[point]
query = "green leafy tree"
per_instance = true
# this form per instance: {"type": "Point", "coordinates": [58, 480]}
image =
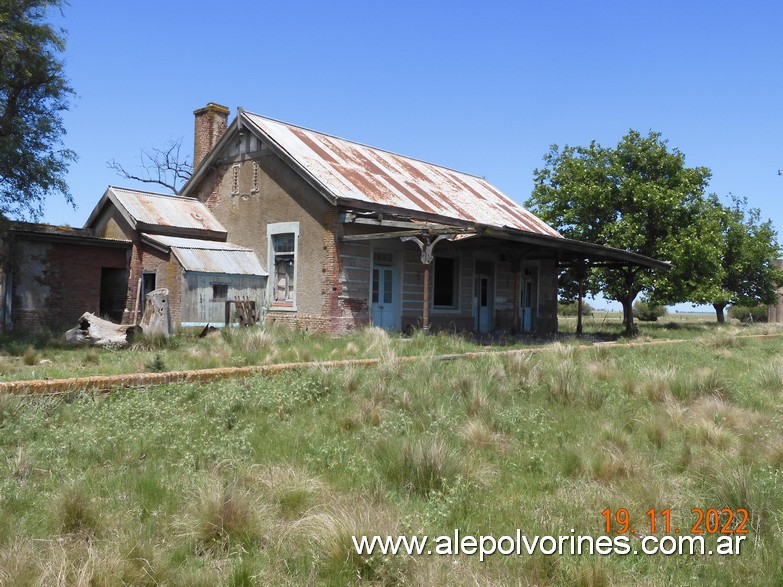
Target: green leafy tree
{"type": "Point", "coordinates": [638, 196]}
{"type": "Point", "coordinates": [33, 94]}
{"type": "Point", "coordinates": [747, 274]}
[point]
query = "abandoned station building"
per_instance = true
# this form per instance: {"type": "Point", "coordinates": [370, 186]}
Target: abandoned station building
{"type": "Point", "coordinates": [322, 233]}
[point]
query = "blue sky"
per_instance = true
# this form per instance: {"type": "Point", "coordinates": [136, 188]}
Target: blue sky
{"type": "Point", "coordinates": [485, 87]}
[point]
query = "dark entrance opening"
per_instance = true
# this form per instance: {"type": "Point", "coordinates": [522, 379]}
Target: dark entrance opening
{"type": "Point", "coordinates": [147, 285]}
{"type": "Point", "coordinates": [114, 291]}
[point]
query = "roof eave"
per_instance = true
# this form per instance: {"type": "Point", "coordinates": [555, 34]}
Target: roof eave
{"type": "Point", "coordinates": [182, 231]}
{"type": "Point", "coordinates": [589, 250]}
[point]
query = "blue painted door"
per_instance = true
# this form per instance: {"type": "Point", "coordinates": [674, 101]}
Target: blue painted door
{"type": "Point", "coordinates": [384, 306]}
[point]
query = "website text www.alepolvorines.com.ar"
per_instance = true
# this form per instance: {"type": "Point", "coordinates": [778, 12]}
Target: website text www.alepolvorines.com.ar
{"type": "Point", "coordinates": [521, 544]}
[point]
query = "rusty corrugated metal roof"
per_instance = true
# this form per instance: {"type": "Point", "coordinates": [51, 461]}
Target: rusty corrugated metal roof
{"type": "Point", "coordinates": [165, 210]}
{"type": "Point", "coordinates": [206, 256]}
{"type": "Point", "coordinates": [352, 171]}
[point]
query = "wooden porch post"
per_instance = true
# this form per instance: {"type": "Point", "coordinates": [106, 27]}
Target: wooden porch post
{"type": "Point", "coordinates": [425, 321]}
{"type": "Point", "coordinates": [426, 247]}
{"type": "Point", "coordinates": [581, 275]}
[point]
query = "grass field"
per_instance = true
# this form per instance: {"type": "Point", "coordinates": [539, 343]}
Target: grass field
{"type": "Point", "coordinates": [263, 481]}
{"type": "Point", "coordinates": [44, 356]}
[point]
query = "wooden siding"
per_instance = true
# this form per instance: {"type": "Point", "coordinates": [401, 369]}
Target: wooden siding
{"type": "Point", "coordinates": [198, 305]}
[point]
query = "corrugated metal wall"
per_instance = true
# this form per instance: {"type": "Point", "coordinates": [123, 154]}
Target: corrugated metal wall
{"type": "Point", "coordinates": [199, 306]}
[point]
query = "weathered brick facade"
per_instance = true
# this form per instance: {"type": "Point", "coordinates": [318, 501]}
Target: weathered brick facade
{"type": "Point", "coordinates": [55, 279]}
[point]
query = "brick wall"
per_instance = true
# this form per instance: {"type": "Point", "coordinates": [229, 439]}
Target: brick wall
{"type": "Point", "coordinates": [54, 283]}
{"type": "Point", "coordinates": [210, 124]}
{"type": "Point", "coordinates": [168, 274]}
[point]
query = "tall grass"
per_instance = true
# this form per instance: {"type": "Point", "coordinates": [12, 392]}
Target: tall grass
{"type": "Point", "coordinates": [265, 480]}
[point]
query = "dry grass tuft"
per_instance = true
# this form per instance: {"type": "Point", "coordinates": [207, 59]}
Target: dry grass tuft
{"type": "Point", "coordinates": [326, 535]}
{"type": "Point", "coordinates": [724, 338]}
{"type": "Point", "coordinates": [723, 413]}
{"type": "Point", "coordinates": [592, 574]}
{"type": "Point", "coordinates": [6, 365]}
{"type": "Point", "coordinates": [30, 356]}
{"type": "Point", "coordinates": [702, 381]}
{"type": "Point", "coordinates": [9, 406]}
{"type": "Point", "coordinates": [655, 384]}
{"type": "Point", "coordinates": [770, 377]}
{"type": "Point", "coordinates": [75, 513]}
{"type": "Point", "coordinates": [774, 451]}
{"type": "Point", "coordinates": [658, 430]}
{"type": "Point", "coordinates": [705, 432]}
{"type": "Point", "coordinates": [520, 369]}
{"type": "Point", "coordinates": [423, 465]}
{"type": "Point", "coordinates": [612, 465]}
{"type": "Point", "coordinates": [292, 490]}
{"type": "Point", "coordinates": [603, 371]}
{"type": "Point", "coordinates": [477, 434]}
{"type": "Point", "coordinates": [221, 515]}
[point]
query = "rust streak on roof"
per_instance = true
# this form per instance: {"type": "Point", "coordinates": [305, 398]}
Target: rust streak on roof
{"type": "Point", "coordinates": [310, 142]}
{"type": "Point", "coordinates": [355, 172]}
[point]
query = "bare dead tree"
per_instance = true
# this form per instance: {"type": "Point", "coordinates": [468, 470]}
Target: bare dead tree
{"type": "Point", "coordinates": [166, 167]}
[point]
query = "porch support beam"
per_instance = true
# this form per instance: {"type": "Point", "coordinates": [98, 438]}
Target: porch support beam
{"type": "Point", "coordinates": [426, 245]}
{"type": "Point", "coordinates": [449, 232]}
{"type": "Point", "coordinates": [353, 218]}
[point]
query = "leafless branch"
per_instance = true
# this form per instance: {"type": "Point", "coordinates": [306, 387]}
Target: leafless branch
{"type": "Point", "coordinates": [165, 167]}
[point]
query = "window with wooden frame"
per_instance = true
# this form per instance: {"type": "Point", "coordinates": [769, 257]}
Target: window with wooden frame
{"type": "Point", "coordinates": [445, 282]}
{"type": "Point", "coordinates": [284, 255]}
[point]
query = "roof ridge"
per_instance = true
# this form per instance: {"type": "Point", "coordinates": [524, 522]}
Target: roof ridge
{"type": "Point", "coordinates": [149, 193]}
{"type": "Point", "coordinates": [390, 152]}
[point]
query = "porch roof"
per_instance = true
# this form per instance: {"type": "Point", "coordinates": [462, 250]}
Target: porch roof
{"type": "Point", "coordinates": [564, 249]}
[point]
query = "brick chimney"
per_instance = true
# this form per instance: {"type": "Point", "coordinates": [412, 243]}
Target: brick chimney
{"type": "Point", "coordinates": [211, 122]}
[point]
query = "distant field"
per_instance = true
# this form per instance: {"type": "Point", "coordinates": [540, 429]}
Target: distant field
{"type": "Point", "coordinates": [263, 481]}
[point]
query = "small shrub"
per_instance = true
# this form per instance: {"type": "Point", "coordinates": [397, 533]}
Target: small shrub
{"type": "Point", "coordinates": [647, 312]}
{"type": "Point", "coordinates": [157, 365]}
{"type": "Point", "coordinates": [748, 313]}
{"type": "Point", "coordinates": [30, 356]}
{"type": "Point", "coordinates": [569, 309]}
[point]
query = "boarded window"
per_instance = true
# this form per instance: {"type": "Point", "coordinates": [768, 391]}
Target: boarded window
{"type": "Point", "coordinates": [444, 290]}
{"type": "Point", "coordinates": [219, 292]}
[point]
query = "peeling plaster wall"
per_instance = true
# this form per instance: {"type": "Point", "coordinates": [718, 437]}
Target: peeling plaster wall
{"type": "Point", "coordinates": [248, 192]}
